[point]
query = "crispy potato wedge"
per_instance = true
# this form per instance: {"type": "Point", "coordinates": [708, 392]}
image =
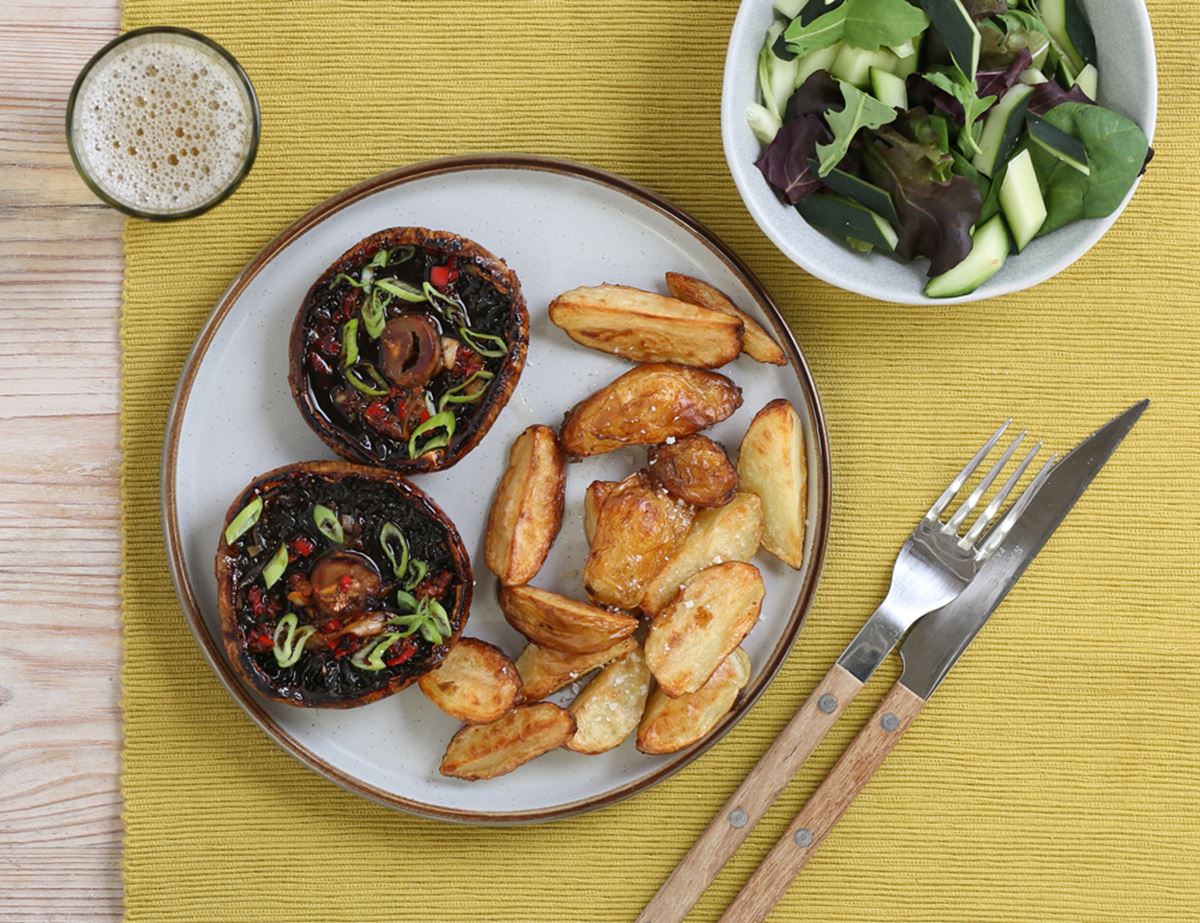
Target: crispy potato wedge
{"type": "Point", "coordinates": [527, 510]}
{"type": "Point", "coordinates": [563, 624]}
{"type": "Point", "coordinates": [757, 343]}
{"type": "Point", "coordinates": [543, 671]}
{"type": "Point", "coordinates": [730, 533]}
{"type": "Point", "coordinates": [645, 327]}
{"type": "Point", "coordinates": [703, 625]}
{"type": "Point", "coordinates": [593, 498]}
{"type": "Point", "coordinates": [637, 529]}
{"type": "Point", "coordinates": [476, 683]}
{"type": "Point", "coordinates": [671, 724]}
{"type": "Point", "coordinates": [645, 406]}
{"type": "Point", "coordinates": [610, 707]}
{"type": "Point", "coordinates": [773, 463]}
{"type": "Point", "coordinates": [484, 751]}
{"type": "Point", "coordinates": [694, 469]}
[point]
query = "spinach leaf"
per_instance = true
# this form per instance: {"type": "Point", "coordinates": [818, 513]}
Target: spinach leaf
{"type": "Point", "coordinates": [861, 111]}
{"type": "Point", "coordinates": [871, 24]}
{"type": "Point", "coordinates": [1116, 150]}
{"type": "Point", "coordinates": [937, 209]}
{"type": "Point", "coordinates": [963, 89]}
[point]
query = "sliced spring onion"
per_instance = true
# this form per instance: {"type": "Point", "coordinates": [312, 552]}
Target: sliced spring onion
{"type": "Point", "coordinates": [443, 421]}
{"type": "Point", "coordinates": [437, 627]}
{"type": "Point", "coordinates": [406, 600]}
{"type": "Point", "coordinates": [459, 393]}
{"type": "Point", "coordinates": [401, 290]}
{"type": "Point", "coordinates": [287, 653]}
{"type": "Point", "coordinates": [474, 339]}
{"type": "Point", "coordinates": [350, 342]}
{"type": "Point", "coordinates": [354, 376]}
{"type": "Point", "coordinates": [403, 254]}
{"type": "Point", "coordinates": [391, 533]}
{"type": "Point", "coordinates": [455, 312]}
{"type": "Point", "coordinates": [275, 567]}
{"type": "Point", "coordinates": [379, 260]}
{"type": "Point", "coordinates": [418, 569]}
{"type": "Point", "coordinates": [370, 657]}
{"type": "Point", "coordinates": [244, 521]}
{"type": "Point", "coordinates": [342, 277]}
{"type": "Point", "coordinates": [374, 313]}
{"type": "Point", "coordinates": [327, 524]}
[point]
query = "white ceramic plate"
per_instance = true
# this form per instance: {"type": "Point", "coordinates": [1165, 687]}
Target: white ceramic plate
{"type": "Point", "coordinates": [558, 226]}
{"type": "Point", "coordinates": [1128, 85]}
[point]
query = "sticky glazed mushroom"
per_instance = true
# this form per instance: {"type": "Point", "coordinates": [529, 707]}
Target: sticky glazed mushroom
{"type": "Point", "coordinates": [407, 348]}
{"type": "Point", "coordinates": [338, 584]}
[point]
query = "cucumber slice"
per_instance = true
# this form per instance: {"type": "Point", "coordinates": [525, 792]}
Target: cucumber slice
{"type": "Point", "coordinates": [1004, 123]}
{"type": "Point", "coordinates": [907, 63]}
{"type": "Point", "coordinates": [1089, 81]}
{"type": "Point", "coordinates": [988, 253]}
{"type": "Point", "coordinates": [889, 89]}
{"type": "Point", "coordinates": [866, 194]}
{"type": "Point", "coordinates": [844, 218]}
{"type": "Point", "coordinates": [1021, 200]}
{"type": "Point", "coordinates": [958, 30]}
{"type": "Point", "coordinates": [1070, 29]}
{"type": "Point", "coordinates": [763, 123]}
{"type": "Point", "coordinates": [854, 64]}
{"type": "Point", "coordinates": [781, 49]}
{"type": "Point", "coordinates": [790, 8]}
{"type": "Point", "coordinates": [776, 77]}
{"type": "Point", "coordinates": [814, 9]}
{"type": "Point", "coordinates": [1067, 148]}
{"type": "Point", "coordinates": [1033, 77]}
{"type": "Point", "coordinates": [820, 60]}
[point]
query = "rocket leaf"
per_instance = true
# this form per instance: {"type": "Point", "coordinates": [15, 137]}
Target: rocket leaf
{"type": "Point", "coordinates": [861, 111]}
{"type": "Point", "coordinates": [872, 24]}
{"type": "Point", "coordinates": [964, 90]}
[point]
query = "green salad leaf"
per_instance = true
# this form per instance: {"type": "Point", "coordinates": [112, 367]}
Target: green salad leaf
{"type": "Point", "coordinates": [861, 111]}
{"type": "Point", "coordinates": [872, 24]}
{"type": "Point", "coordinates": [1116, 150]}
{"type": "Point", "coordinates": [822, 32]}
{"type": "Point", "coordinates": [966, 92]}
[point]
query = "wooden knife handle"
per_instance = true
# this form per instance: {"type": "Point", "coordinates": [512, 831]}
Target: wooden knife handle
{"type": "Point", "coordinates": [766, 780]}
{"type": "Point", "coordinates": [825, 808]}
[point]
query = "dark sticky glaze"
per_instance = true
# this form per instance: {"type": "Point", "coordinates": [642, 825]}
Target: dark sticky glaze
{"type": "Point", "coordinates": [346, 591]}
{"type": "Point", "coordinates": [376, 428]}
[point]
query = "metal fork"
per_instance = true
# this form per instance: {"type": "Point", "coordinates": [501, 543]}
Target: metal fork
{"type": "Point", "coordinates": [934, 566]}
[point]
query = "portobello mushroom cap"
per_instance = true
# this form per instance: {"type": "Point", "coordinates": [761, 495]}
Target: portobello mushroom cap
{"type": "Point", "coordinates": [368, 366]}
{"type": "Point", "coordinates": [368, 557]}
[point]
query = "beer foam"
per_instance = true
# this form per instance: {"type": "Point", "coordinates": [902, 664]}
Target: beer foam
{"type": "Point", "coordinates": [163, 123]}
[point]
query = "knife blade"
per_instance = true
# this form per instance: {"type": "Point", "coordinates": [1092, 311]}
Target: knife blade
{"type": "Point", "coordinates": [936, 642]}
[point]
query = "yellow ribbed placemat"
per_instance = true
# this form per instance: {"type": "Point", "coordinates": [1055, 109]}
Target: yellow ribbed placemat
{"type": "Point", "coordinates": [1056, 775]}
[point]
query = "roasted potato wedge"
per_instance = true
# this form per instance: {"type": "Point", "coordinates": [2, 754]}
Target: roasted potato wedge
{"type": "Point", "coordinates": [671, 724]}
{"type": "Point", "coordinates": [527, 510]}
{"type": "Point", "coordinates": [730, 533]}
{"type": "Point", "coordinates": [476, 683]}
{"type": "Point", "coordinates": [543, 671]}
{"type": "Point", "coordinates": [637, 529]}
{"type": "Point", "coordinates": [563, 624]}
{"type": "Point", "coordinates": [645, 327]}
{"type": "Point", "coordinates": [484, 751]}
{"type": "Point", "coordinates": [703, 625]}
{"type": "Point", "coordinates": [647, 405]}
{"type": "Point", "coordinates": [610, 707]}
{"type": "Point", "coordinates": [757, 343]}
{"type": "Point", "coordinates": [593, 498]}
{"type": "Point", "coordinates": [773, 463]}
{"type": "Point", "coordinates": [694, 469]}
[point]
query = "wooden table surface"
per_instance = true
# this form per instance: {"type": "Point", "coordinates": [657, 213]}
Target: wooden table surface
{"type": "Point", "coordinates": [60, 283]}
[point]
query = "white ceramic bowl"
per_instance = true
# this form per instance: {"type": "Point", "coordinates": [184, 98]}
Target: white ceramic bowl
{"type": "Point", "coordinates": [1128, 85]}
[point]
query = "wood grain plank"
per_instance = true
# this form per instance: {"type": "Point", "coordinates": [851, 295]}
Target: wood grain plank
{"type": "Point", "coordinates": [60, 289]}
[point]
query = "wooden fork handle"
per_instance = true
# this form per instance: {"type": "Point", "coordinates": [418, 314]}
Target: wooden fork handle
{"type": "Point", "coordinates": [764, 783]}
{"type": "Point", "coordinates": [825, 808]}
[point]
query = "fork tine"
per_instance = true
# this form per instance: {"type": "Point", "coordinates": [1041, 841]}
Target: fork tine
{"type": "Point", "coordinates": [1006, 524]}
{"type": "Point", "coordinates": [990, 511]}
{"type": "Point", "coordinates": [956, 485]}
{"type": "Point", "coordinates": [977, 494]}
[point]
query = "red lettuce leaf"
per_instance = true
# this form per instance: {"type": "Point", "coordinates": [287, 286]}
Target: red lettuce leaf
{"type": "Point", "coordinates": [786, 161]}
{"type": "Point", "coordinates": [1049, 94]}
{"type": "Point", "coordinates": [819, 94]}
{"type": "Point", "coordinates": [982, 9]}
{"type": "Point", "coordinates": [937, 209]}
{"type": "Point", "coordinates": [996, 82]}
{"type": "Point", "coordinates": [923, 94]}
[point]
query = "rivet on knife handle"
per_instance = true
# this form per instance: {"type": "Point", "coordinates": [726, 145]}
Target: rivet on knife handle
{"type": "Point", "coordinates": [754, 796]}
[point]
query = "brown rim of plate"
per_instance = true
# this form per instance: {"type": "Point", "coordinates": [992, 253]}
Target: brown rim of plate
{"type": "Point", "coordinates": [212, 648]}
